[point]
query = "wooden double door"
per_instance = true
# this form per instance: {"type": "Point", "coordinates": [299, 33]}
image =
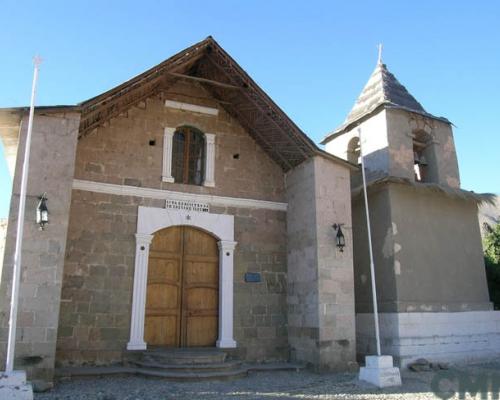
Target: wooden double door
{"type": "Point", "coordinates": [182, 301]}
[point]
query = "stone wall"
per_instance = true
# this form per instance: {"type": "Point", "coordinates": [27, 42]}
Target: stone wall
{"type": "Point", "coordinates": [3, 236]}
{"type": "Point", "coordinates": [451, 337]}
{"type": "Point", "coordinates": [336, 274]}
{"type": "Point", "coordinates": [438, 251]}
{"type": "Point", "coordinates": [120, 153]}
{"type": "Point", "coordinates": [303, 296]}
{"type": "Point", "coordinates": [388, 146]}
{"type": "Point", "coordinates": [427, 250]}
{"type": "Point", "coordinates": [97, 286]}
{"type": "Point", "coordinates": [320, 277]}
{"type": "Point", "coordinates": [442, 158]}
{"type": "Point", "coordinates": [98, 278]}
{"type": "Point", "coordinates": [51, 170]}
{"type": "Point", "coordinates": [381, 226]}
{"type": "Point", "coordinates": [9, 135]}
{"type": "Point", "coordinates": [375, 143]}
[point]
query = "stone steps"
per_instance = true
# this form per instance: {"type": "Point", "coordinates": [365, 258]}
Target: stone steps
{"type": "Point", "coordinates": [224, 366]}
{"type": "Point", "coordinates": [198, 375]}
{"type": "Point", "coordinates": [185, 364]}
{"type": "Point", "coordinates": [237, 371]}
{"type": "Point", "coordinates": [76, 372]}
{"type": "Point", "coordinates": [190, 356]}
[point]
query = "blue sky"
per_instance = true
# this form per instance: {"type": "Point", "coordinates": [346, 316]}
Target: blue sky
{"type": "Point", "coordinates": [311, 57]}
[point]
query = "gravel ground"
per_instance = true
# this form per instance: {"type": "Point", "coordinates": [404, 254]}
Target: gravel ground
{"type": "Point", "coordinates": [267, 385]}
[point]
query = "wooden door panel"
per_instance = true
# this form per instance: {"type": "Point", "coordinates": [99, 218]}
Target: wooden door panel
{"type": "Point", "coordinates": [199, 243]}
{"type": "Point", "coordinates": [164, 289]}
{"type": "Point", "coordinates": [200, 288]}
{"type": "Point", "coordinates": [168, 240]}
{"type": "Point", "coordinates": [162, 298]}
{"type": "Point", "coordinates": [182, 298]}
{"type": "Point", "coordinates": [161, 331]}
{"type": "Point", "coordinates": [201, 331]}
{"type": "Point", "coordinates": [164, 269]}
{"type": "Point", "coordinates": [202, 299]}
{"type": "Point", "coordinates": [200, 271]}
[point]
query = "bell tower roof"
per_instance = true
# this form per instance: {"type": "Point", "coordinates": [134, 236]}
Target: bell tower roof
{"type": "Point", "coordinates": [382, 89]}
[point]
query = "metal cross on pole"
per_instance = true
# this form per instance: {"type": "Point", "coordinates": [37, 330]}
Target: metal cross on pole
{"type": "Point", "coordinates": [380, 47]}
{"type": "Point", "coordinates": [16, 275]}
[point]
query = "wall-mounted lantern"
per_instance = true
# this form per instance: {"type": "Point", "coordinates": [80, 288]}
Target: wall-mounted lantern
{"type": "Point", "coordinates": [339, 238]}
{"type": "Point", "coordinates": [42, 212]}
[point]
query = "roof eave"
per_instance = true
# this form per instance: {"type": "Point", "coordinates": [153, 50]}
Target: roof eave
{"type": "Point", "coordinates": [458, 193]}
{"type": "Point", "coordinates": [183, 53]}
{"type": "Point", "coordinates": [55, 108]}
{"type": "Point", "coordinates": [337, 160]}
{"type": "Point", "coordinates": [356, 121]}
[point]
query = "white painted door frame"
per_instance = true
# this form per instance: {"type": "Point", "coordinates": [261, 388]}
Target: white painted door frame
{"type": "Point", "coordinates": [150, 220]}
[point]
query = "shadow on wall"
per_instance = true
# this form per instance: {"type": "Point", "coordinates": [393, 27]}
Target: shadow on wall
{"type": "Point", "coordinates": [3, 235]}
{"type": "Point", "coordinates": [376, 164]}
{"type": "Point", "coordinates": [6, 184]}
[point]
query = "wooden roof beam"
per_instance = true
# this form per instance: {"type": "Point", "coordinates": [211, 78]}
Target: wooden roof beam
{"type": "Point", "coordinates": [204, 80]}
{"type": "Point", "coordinates": [252, 96]}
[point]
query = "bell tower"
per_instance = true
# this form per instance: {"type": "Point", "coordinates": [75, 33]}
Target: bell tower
{"type": "Point", "coordinates": [428, 258]}
{"type": "Point", "coordinates": [401, 139]}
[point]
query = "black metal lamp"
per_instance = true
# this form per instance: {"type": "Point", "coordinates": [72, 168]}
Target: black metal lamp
{"type": "Point", "coordinates": [42, 212]}
{"type": "Point", "coordinates": [339, 238]}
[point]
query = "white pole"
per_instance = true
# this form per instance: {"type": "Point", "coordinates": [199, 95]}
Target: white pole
{"type": "Point", "coordinates": [372, 265]}
{"type": "Point", "coordinates": [16, 275]}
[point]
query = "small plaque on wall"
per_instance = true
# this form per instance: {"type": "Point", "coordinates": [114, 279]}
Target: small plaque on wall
{"type": "Point", "coordinates": [187, 205]}
{"type": "Point", "coordinates": [253, 277]}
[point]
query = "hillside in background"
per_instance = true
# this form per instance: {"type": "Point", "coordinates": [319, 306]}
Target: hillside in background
{"type": "Point", "coordinates": [490, 214]}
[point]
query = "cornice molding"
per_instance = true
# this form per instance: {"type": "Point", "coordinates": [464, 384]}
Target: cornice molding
{"type": "Point", "coordinates": [125, 190]}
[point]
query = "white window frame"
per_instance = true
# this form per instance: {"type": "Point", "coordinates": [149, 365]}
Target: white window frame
{"type": "Point", "coordinates": [168, 139]}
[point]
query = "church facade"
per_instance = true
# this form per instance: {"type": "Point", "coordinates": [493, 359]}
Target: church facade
{"type": "Point", "coordinates": [187, 210]}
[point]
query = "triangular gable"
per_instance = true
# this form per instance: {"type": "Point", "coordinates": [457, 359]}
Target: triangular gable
{"type": "Point", "coordinates": [209, 65]}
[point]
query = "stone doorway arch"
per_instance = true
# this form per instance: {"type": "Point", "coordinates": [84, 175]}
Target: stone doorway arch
{"type": "Point", "coordinates": [221, 226]}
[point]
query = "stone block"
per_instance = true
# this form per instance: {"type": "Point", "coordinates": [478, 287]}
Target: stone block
{"type": "Point", "coordinates": [98, 270]}
{"type": "Point", "coordinates": [65, 331]}
{"type": "Point", "coordinates": [259, 310]}
{"type": "Point", "coordinates": [379, 362]}
{"type": "Point", "coordinates": [13, 386]}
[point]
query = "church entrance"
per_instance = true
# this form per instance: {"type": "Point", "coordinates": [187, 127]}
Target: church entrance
{"type": "Point", "coordinates": [182, 298]}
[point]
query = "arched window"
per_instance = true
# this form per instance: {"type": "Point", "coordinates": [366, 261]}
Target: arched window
{"type": "Point", "coordinates": [354, 151]}
{"type": "Point", "coordinates": [188, 156]}
{"type": "Point", "coordinates": [421, 142]}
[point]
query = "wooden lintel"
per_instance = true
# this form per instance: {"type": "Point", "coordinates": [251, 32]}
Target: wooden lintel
{"type": "Point", "coordinates": [204, 80]}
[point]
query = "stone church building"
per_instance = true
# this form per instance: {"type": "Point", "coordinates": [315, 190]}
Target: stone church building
{"type": "Point", "coordinates": [187, 210]}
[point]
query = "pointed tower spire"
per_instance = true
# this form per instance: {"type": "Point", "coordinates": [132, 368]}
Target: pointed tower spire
{"type": "Point", "coordinates": [382, 89]}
